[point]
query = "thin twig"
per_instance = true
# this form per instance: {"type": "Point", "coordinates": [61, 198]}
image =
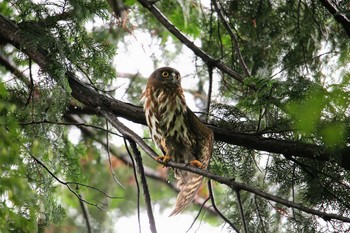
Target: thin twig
{"type": "Point", "coordinates": [137, 184]}
{"type": "Point", "coordinates": [234, 40]}
{"type": "Point", "coordinates": [68, 124]}
{"type": "Point", "coordinates": [67, 184]}
{"type": "Point", "coordinates": [302, 61]}
{"type": "Point", "coordinates": [212, 199]}
{"type": "Point", "coordinates": [241, 211]}
{"type": "Point", "coordinates": [210, 89]}
{"type": "Point", "coordinates": [146, 193]}
{"type": "Point", "coordinates": [259, 214]}
{"type": "Point", "coordinates": [109, 157]}
{"type": "Point", "coordinates": [199, 212]}
{"type": "Point", "coordinates": [85, 212]}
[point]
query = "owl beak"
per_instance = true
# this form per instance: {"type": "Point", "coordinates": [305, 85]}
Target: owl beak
{"type": "Point", "coordinates": [173, 75]}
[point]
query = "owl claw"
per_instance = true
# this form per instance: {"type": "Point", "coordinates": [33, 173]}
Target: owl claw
{"type": "Point", "coordinates": [196, 163]}
{"type": "Point", "coordinates": [164, 159]}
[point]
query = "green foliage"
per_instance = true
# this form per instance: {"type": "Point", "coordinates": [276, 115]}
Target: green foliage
{"type": "Point", "coordinates": [295, 51]}
{"type": "Point", "coordinates": [311, 106]}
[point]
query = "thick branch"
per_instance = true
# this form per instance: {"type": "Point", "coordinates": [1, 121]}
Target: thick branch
{"type": "Point", "coordinates": [338, 16]}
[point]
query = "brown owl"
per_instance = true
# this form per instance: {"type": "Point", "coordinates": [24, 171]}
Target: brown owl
{"type": "Point", "coordinates": [177, 131]}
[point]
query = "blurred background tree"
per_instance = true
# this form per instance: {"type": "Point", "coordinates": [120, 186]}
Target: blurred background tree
{"type": "Point", "coordinates": [271, 78]}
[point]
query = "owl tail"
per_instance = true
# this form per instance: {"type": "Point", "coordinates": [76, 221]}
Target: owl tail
{"type": "Point", "coordinates": [188, 183]}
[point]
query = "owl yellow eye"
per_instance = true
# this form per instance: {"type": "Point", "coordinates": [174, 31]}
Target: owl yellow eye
{"type": "Point", "coordinates": [177, 77]}
{"type": "Point", "coordinates": [165, 74]}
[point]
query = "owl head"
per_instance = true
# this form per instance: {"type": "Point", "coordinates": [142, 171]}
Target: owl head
{"type": "Point", "coordinates": [165, 76]}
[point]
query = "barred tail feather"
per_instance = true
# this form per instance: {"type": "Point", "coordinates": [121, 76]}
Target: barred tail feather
{"type": "Point", "coordinates": [188, 184]}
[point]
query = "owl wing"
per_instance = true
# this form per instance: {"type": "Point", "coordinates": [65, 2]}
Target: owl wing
{"type": "Point", "coordinates": [203, 138]}
{"type": "Point", "coordinates": [199, 148]}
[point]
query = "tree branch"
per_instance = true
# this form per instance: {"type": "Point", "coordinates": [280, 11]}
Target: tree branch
{"type": "Point", "coordinates": [4, 61]}
{"type": "Point", "coordinates": [91, 98]}
{"type": "Point", "coordinates": [241, 211]}
{"type": "Point", "coordinates": [146, 193]}
{"type": "Point", "coordinates": [196, 50]}
{"type": "Point", "coordinates": [85, 212]}
{"type": "Point", "coordinates": [212, 199]}
{"type": "Point", "coordinates": [234, 40]}
{"type": "Point", "coordinates": [338, 16]}
{"type": "Point", "coordinates": [137, 184]}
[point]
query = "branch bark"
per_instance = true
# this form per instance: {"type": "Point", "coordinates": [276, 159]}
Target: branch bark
{"type": "Point", "coordinates": [338, 16]}
{"type": "Point", "coordinates": [146, 193]}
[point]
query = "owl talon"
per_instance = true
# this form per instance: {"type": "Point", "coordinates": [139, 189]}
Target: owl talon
{"type": "Point", "coordinates": [164, 159]}
{"type": "Point", "coordinates": [196, 163]}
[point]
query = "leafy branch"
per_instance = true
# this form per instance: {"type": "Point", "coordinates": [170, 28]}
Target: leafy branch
{"type": "Point", "coordinates": [94, 101]}
{"type": "Point", "coordinates": [69, 183]}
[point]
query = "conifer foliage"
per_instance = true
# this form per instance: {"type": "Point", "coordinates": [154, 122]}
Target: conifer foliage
{"type": "Point", "coordinates": [272, 82]}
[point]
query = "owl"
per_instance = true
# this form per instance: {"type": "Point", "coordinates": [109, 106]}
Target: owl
{"type": "Point", "coordinates": [176, 131]}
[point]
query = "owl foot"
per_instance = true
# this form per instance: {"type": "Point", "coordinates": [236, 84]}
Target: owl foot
{"type": "Point", "coordinates": [196, 163]}
{"type": "Point", "coordinates": [164, 159]}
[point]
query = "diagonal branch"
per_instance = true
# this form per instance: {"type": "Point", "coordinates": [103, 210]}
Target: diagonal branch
{"type": "Point", "coordinates": [241, 211]}
{"type": "Point", "coordinates": [212, 199]}
{"type": "Point", "coordinates": [146, 193]}
{"type": "Point", "coordinates": [85, 212]}
{"type": "Point", "coordinates": [234, 40]}
{"type": "Point", "coordinates": [196, 50]}
{"type": "Point", "coordinates": [4, 61]}
{"type": "Point", "coordinates": [137, 184]}
{"type": "Point", "coordinates": [338, 16]}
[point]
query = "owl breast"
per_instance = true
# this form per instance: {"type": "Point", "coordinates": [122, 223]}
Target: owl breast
{"type": "Point", "coordinates": [165, 116]}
